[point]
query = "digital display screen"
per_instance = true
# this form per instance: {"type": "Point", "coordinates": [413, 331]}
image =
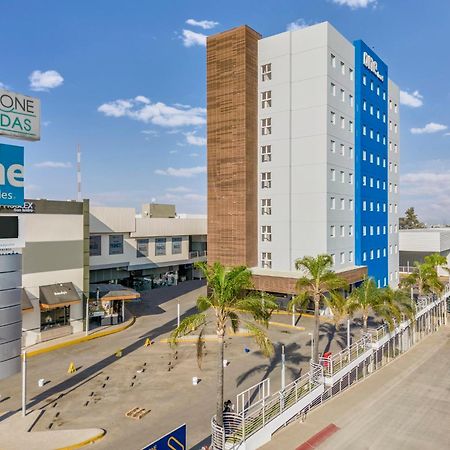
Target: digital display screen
{"type": "Point", "coordinates": [9, 227]}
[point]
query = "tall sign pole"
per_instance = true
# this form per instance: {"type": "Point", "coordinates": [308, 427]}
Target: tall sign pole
{"type": "Point", "coordinates": [19, 119]}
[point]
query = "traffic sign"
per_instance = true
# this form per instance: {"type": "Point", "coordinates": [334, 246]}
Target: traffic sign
{"type": "Point", "coordinates": [175, 440]}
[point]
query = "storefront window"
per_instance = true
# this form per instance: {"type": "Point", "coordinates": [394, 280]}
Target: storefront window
{"type": "Point", "coordinates": [115, 244]}
{"type": "Point", "coordinates": [57, 317]}
{"type": "Point", "coordinates": [160, 246]}
{"type": "Point", "coordinates": [142, 248]}
{"type": "Point", "coordinates": [95, 245]}
{"type": "Point", "coordinates": [176, 245]}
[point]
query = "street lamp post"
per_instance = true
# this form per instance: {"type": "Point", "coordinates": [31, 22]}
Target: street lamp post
{"type": "Point", "coordinates": [283, 369]}
{"type": "Point", "coordinates": [24, 383]}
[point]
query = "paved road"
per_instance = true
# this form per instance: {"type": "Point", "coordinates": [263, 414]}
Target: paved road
{"type": "Point", "coordinates": [405, 405]}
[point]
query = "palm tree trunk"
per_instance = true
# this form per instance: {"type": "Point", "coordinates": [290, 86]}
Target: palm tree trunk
{"type": "Point", "coordinates": [219, 400]}
{"type": "Point", "coordinates": [365, 317]}
{"type": "Point", "coordinates": [316, 329]}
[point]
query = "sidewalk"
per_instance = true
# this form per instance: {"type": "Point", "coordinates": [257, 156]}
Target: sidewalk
{"type": "Point", "coordinates": [77, 338]}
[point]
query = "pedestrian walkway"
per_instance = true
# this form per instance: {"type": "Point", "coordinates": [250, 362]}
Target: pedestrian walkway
{"type": "Point", "coordinates": [405, 405]}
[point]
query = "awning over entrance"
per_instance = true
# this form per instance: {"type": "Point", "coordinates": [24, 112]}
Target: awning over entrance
{"type": "Point", "coordinates": [58, 295]}
{"type": "Point", "coordinates": [25, 299]}
{"type": "Point", "coordinates": [109, 292]}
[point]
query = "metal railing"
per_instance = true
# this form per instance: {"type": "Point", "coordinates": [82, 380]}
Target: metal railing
{"type": "Point", "coordinates": [407, 269]}
{"type": "Point", "coordinates": [198, 254]}
{"type": "Point", "coordinates": [240, 426]}
{"type": "Point", "coordinates": [334, 363]}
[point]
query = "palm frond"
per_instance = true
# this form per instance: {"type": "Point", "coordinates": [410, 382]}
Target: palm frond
{"type": "Point", "coordinates": [261, 338]}
{"type": "Point", "coordinates": [234, 320]}
{"type": "Point", "coordinates": [187, 325]}
{"type": "Point", "coordinates": [299, 301]}
{"type": "Point", "coordinates": [260, 309]}
{"type": "Point", "coordinates": [203, 303]}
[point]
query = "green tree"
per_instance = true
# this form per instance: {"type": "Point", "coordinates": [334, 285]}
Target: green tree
{"type": "Point", "coordinates": [229, 298]}
{"type": "Point", "coordinates": [367, 298]}
{"type": "Point", "coordinates": [399, 303]}
{"type": "Point", "coordinates": [318, 280]}
{"type": "Point", "coordinates": [424, 278]}
{"type": "Point", "coordinates": [410, 221]}
{"type": "Point", "coordinates": [435, 260]}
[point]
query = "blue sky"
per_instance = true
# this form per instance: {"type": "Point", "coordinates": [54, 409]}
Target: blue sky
{"type": "Point", "coordinates": [126, 80]}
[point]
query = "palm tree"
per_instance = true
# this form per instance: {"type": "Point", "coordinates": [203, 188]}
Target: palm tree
{"type": "Point", "coordinates": [231, 303]}
{"type": "Point", "coordinates": [400, 303]}
{"type": "Point", "coordinates": [367, 298]}
{"type": "Point", "coordinates": [424, 278]}
{"type": "Point", "coordinates": [318, 280]}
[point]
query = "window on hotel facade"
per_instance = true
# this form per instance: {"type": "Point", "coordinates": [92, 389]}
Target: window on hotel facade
{"type": "Point", "coordinates": [342, 68]}
{"type": "Point", "coordinates": [266, 99]}
{"type": "Point", "coordinates": [350, 230]}
{"type": "Point", "coordinates": [364, 230]}
{"type": "Point", "coordinates": [332, 60]}
{"type": "Point", "coordinates": [342, 177]}
{"type": "Point", "coordinates": [350, 256]}
{"type": "Point", "coordinates": [266, 206]}
{"type": "Point", "coordinates": [333, 146]}
{"type": "Point", "coordinates": [266, 233]}
{"type": "Point", "coordinates": [95, 245]}
{"type": "Point", "coordinates": [332, 175]}
{"type": "Point", "coordinates": [160, 246]}
{"type": "Point", "coordinates": [342, 228]}
{"type": "Point", "coordinates": [176, 245]}
{"type": "Point", "coordinates": [116, 244]}
{"type": "Point", "coordinates": [332, 231]}
{"type": "Point", "coordinates": [350, 71]}
{"type": "Point", "coordinates": [266, 72]}
{"type": "Point", "coordinates": [364, 80]}
{"type": "Point", "coordinates": [333, 259]}
{"type": "Point", "coordinates": [333, 117]}
{"type": "Point", "coordinates": [350, 178]}
{"type": "Point", "coordinates": [333, 89]}
{"type": "Point", "coordinates": [350, 126]}
{"type": "Point", "coordinates": [266, 126]}
{"type": "Point", "coordinates": [342, 257]}
{"type": "Point", "coordinates": [266, 180]}
{"type": "Point", "coordinates": [342, 203]}
{"type": "Point", "coordinates": [332, 203]}
{"type": "Point", "coordinates": [266, 260]}
{"type": "Point", "coordinates": [364, 256]}
{"type": "Point", "coordinates": [350, 205]}
{"type": "Point", "coordinates": [350, 152]}
{"type": "Point", "coordinates": [342, 149]}
{"type": "Point", "coordinates": [141, 248]}
{"type": "Point", "coordinates": [266, 153]}
{"type": "Point", "coordinates": [342, 122]}
{"type": "Point", "coordinates": [350, 99]}
{"type": "Point", "coordinates": [342, 95]}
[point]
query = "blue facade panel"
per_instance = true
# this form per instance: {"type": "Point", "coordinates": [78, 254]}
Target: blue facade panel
{"type": "Point", "coordinates": [371, 163]}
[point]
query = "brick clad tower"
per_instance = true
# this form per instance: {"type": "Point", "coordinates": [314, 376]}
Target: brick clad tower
{"type": "Point", "coordinates": [232, 96]}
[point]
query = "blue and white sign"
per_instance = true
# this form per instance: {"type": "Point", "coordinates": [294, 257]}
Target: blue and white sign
{"type": "Point", "coordinates": [175, 440]}
{"type": "Point", "coordinates": [11, 175]}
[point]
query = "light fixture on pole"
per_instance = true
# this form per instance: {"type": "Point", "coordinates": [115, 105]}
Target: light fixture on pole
{"type": "Point", "coordinates": [283, 369]}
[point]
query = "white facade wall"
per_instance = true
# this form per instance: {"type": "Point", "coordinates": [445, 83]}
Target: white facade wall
{"type": "Point", "coordinates": [393, 182]}
{"type": "Point", "coordinates": [301, 155]}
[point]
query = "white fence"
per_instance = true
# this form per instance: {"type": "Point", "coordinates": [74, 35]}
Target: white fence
{"type": "Point", "coordinates": [261, 414]}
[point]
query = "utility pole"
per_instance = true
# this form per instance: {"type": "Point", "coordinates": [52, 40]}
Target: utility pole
{"type": "Point", "coordinates": [78, 173]}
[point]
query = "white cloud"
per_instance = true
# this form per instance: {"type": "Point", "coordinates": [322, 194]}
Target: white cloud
{"type": "Point", "coordinates": [354, 4]}
{"type": "Point", "coordinates": [156, 113]}
{"type": "Point", "coordinates": [431, 127]}
{"type": "Point", "coordinates": [195, 197]}
{"type": "Point", "coordinates": [172, 152]}
{"type": "Point", "coordinates": [194, 155]}
{"type": "Point", "coordinates": [413, 99]}
{"type": "Point", "coordinates": [186, 172]}
{"type": "Point", "coordinates": [297, 25]}
{"type": "Point", "coordinates": [192, 139]}
{"type": "Point", "coordinates": [181, 189]}
{"type": "Point", "coordinates": [43, 81]}
{"type": "Point", "coordinates": [54, 165]}
{"type": "Point", "coordinates": [3, 85]}
{"type": "Point", "coordinates": [142, 99]}
{"type": "Point", "coordinates": [191, 38]}
{"type": "Point", "coordinates": [46, 123]}
{"type": "Point", "coordinates": [446, 134]}
{"type": "Point", "coordinates": [205, 24]}
{"type": "Point", "coordinates": [150, 132]}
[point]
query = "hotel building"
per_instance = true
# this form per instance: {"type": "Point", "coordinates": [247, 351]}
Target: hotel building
{"type": "Point", "coordinates": [303, 155]}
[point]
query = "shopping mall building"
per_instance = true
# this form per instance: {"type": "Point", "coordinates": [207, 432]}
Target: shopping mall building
{"type": "Point", "coordinates": [303, 155]}
{"type": "Point", "coordinates": [73, 253]}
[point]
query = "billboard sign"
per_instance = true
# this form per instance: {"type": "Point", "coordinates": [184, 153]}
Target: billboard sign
{"type": "Point", "coordinates": [175, 440]}
{"type": "Point", "coordinates": [20, 116]}
{"type": "Point", "coordinates": [11, 175]}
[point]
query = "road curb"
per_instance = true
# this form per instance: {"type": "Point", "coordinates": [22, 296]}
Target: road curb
{"type": "Point", "coordinates": [81, 339]}
{"type": "Point", "coordinates": [287, 325]}
{"type": "Point", "coordinates": [85, 442]}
